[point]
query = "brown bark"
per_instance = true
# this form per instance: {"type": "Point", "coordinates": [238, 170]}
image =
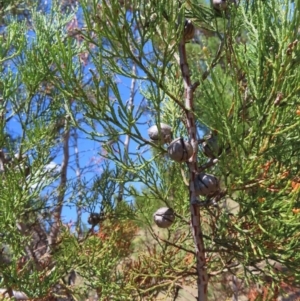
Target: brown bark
{"type": "Point", "coordinates": [61, 191]}
{"type": "Point", "coordinates": [202, 277]}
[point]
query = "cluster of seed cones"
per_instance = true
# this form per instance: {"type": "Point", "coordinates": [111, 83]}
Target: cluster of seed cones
{"type": "Point", "coordinates": [180, 150]}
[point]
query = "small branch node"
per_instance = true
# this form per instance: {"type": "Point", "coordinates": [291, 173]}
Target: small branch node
{"type": "Point", "coordinates": [195, 85]}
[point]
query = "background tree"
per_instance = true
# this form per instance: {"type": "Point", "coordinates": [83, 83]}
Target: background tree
{"type": "Point", "coordinates": [63, 73]}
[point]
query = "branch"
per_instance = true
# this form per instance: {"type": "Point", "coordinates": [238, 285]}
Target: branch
{"type": "Point", "coordinates": [79, 188]}
{"type": "Point", "coordinates": [61, 190]}
{"type": "Point", "coordinates": [208, 164]}
{"type": "Point", "coordinates": [37, 248]}
{"type": "Point", "coordinates": [127, 137]}
{"type": "Point", "coordinates": [189, 88]}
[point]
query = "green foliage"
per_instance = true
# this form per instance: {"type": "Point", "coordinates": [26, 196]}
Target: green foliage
{"type": "Point", "coordinates": [57, 78]}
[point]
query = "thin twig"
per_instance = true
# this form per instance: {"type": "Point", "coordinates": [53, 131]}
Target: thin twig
{"type": "Point", "coordinates": [175, 245]}
{"type": "Point", "coordinates": [214, 62]}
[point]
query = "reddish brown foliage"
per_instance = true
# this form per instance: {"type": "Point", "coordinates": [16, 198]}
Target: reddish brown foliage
{"type": "Point", "coordinates": [120, 233]}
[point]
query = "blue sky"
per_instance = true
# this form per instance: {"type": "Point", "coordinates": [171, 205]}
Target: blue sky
{"type": "Point", "coordinates": [89, 151]}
